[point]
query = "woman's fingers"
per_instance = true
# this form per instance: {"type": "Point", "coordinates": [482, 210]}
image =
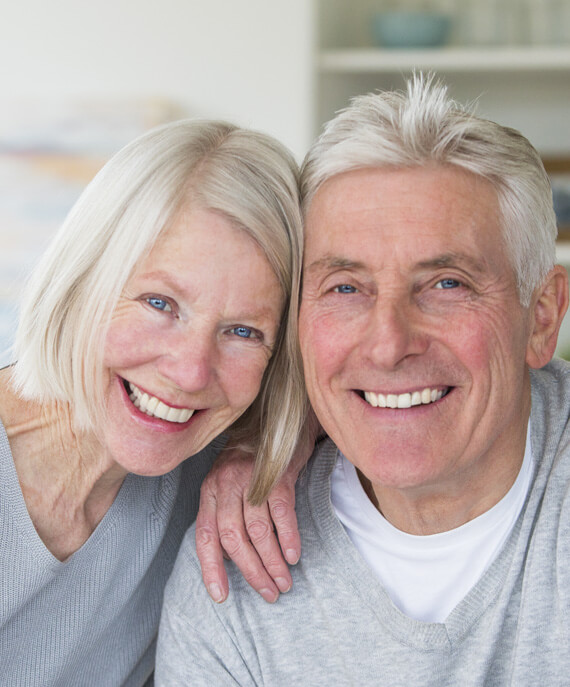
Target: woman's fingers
{"type": "Point", "coordinates": [228, 525]}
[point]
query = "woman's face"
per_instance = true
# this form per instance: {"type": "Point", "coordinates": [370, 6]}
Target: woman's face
{"type": "Point", "coordinates": [188, 342]}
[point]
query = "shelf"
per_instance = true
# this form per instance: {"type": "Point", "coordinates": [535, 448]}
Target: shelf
{"type": "Point", "coordinates": [507, 59]}
{"type": "Point", "coordinates": [563, 253]}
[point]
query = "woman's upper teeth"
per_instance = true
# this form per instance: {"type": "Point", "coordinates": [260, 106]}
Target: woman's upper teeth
{"type": "Point", "coordinates": [407, 400]}
{"type": "Point", "coordinates": [154, 407]}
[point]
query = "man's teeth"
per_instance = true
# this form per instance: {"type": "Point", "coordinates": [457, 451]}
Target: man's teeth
{"type": "Point", "coordinates": [153, 407]}
{"type": "Point", "coordinates": [407, 400]}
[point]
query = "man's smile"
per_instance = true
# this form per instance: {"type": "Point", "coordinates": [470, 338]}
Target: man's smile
{"type": "Point", "coordinates": [406, 400]}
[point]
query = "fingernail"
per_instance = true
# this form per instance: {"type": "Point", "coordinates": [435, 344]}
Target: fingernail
{"type": "Point", "coordinates": [269, 595]}
{"type": "Point", "coordinates": [216, 593]}
{"type": "Point", "coordinates": [283, 584]}
{"type": "Point", "coordinates": [292, 556]}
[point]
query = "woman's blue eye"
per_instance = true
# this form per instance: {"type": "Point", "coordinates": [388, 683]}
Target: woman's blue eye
{"type": "Point", "coordinates": [243, 332]}
{"type": "Point", "coordinates": [447, 284]}
{"type": "Point", "coordinates": [345, 288]}
{"type": "Point", "coordinates": [159, 304]}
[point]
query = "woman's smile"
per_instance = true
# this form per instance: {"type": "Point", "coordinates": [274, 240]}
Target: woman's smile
{"type": "Point", "coordinates": [154, 407]}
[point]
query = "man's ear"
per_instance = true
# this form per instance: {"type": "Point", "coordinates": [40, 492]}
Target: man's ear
{"type": "Point", "coordinates": [549, 305]}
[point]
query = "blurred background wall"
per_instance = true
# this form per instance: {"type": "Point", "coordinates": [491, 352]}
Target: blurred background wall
{"type": "Point", "coordinates": [78, 80]}
{"type": "Point", "coordinates": [245, 60]}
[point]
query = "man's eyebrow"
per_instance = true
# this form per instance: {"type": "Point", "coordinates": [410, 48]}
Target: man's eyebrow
{"type": "Point", "coordinates": [452, 260]}
{"type": "Point", "coordinates": [444, 260]}
{"type": "Point", "coordinates": [333, 262]}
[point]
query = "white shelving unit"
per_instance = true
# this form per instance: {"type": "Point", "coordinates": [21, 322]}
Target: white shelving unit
{"type": "Point", "coordinates": [452, 59]}
{"type": "Point", "coordinates": [563, 253]}
{"type": "Point", "coordinates": [525, 86]}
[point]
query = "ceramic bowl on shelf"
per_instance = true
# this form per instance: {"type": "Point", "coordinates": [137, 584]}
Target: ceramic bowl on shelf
{"type": "Point", "coordinates": [409, 29]}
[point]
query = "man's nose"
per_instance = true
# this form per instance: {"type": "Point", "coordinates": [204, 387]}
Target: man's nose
{"type": "Point", "coordinates": [393, 333]}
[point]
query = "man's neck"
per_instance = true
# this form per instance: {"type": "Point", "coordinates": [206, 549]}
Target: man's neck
{"type": "Point", "coordinates": [442, 507]}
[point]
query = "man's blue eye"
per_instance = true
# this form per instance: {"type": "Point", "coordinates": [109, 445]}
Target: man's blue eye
{"type": "Point", "coordinates": [243, 332]}
{"type": "Point", "coordinates": [447, 284]}
{"type": "Point", "coordinates": [159, 304]}
{"type": "Point", "coordinates": [345, 288]}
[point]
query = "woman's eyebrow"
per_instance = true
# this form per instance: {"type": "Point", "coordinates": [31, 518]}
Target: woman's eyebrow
{"type": "Point", "coordinates": [163, 276]}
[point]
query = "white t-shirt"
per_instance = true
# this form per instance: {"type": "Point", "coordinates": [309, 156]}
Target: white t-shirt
{"type": "Point", "coordinates": [426, 576]}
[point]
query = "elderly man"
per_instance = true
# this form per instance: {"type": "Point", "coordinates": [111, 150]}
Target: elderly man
{"type": "Point", "coordinates": [435, 521]}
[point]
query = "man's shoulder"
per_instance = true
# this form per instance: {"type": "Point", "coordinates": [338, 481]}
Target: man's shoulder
{"type": "Point", "coordinates": [185, 592]}
{"type": "Point", "coordinates": [550, 427]}
{"type": "Point", "coordinates": [550, 387]}
{"type": "Point", "coordinates": [321, 463]}
{"type": "Point", "coordinates": [556, 372]}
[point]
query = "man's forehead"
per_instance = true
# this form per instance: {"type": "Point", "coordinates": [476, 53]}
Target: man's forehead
{"type": "Point", "coordinates": [354, 188]}
{"type": "Point", "coordinates": [435, 216]}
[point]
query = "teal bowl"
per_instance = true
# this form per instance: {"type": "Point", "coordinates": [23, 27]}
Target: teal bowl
{"type": "Point", "coordinates": [401, 29]}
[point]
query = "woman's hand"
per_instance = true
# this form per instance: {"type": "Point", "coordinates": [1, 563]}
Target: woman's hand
{"type": "Point", "coordinates": [260, 540]}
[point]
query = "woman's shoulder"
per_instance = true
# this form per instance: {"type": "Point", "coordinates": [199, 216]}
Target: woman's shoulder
{"type": "Point", "coordinates": [13, 408]}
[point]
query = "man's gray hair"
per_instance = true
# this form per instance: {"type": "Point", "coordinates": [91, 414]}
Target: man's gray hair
{"type": "Point", "coordinates": [423, 126]}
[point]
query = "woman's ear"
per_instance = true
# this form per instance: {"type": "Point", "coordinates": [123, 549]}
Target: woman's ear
{"type": "Point", "coordinates": [549, 305]}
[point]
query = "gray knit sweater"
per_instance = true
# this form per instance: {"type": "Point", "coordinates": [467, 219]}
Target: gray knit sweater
{"type": "Point", "coordinates": [92, 620]}
{"type": "Point", "coordinates": [337, 625]}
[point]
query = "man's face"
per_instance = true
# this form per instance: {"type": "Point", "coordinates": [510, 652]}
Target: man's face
{"type": "Point", "coordinates": [409, 300]}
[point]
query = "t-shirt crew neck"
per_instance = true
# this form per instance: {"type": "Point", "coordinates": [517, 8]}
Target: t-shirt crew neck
{"type": "Point", "coordinates": [426, 576]}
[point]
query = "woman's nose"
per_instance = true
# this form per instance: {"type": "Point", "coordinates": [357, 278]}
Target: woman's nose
{"type": "Point", "coordinates": [189, 362]}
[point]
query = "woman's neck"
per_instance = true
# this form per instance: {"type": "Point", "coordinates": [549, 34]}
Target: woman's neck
{"type": "Point", "coordinates": [67, 479]}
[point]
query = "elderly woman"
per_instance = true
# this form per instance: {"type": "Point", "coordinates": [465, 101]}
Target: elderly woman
{"type": "Point", "coordinates": [158, 318]}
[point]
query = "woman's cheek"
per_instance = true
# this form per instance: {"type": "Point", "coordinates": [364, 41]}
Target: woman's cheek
{"type": "Point", "coordinates": [129, 337]}
{"type": "Point", "coordinates": [246, 379]}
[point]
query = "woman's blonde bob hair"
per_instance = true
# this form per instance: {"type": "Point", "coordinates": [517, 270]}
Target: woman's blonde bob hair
{"type": "Point", "coordinates": [246, 176]}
